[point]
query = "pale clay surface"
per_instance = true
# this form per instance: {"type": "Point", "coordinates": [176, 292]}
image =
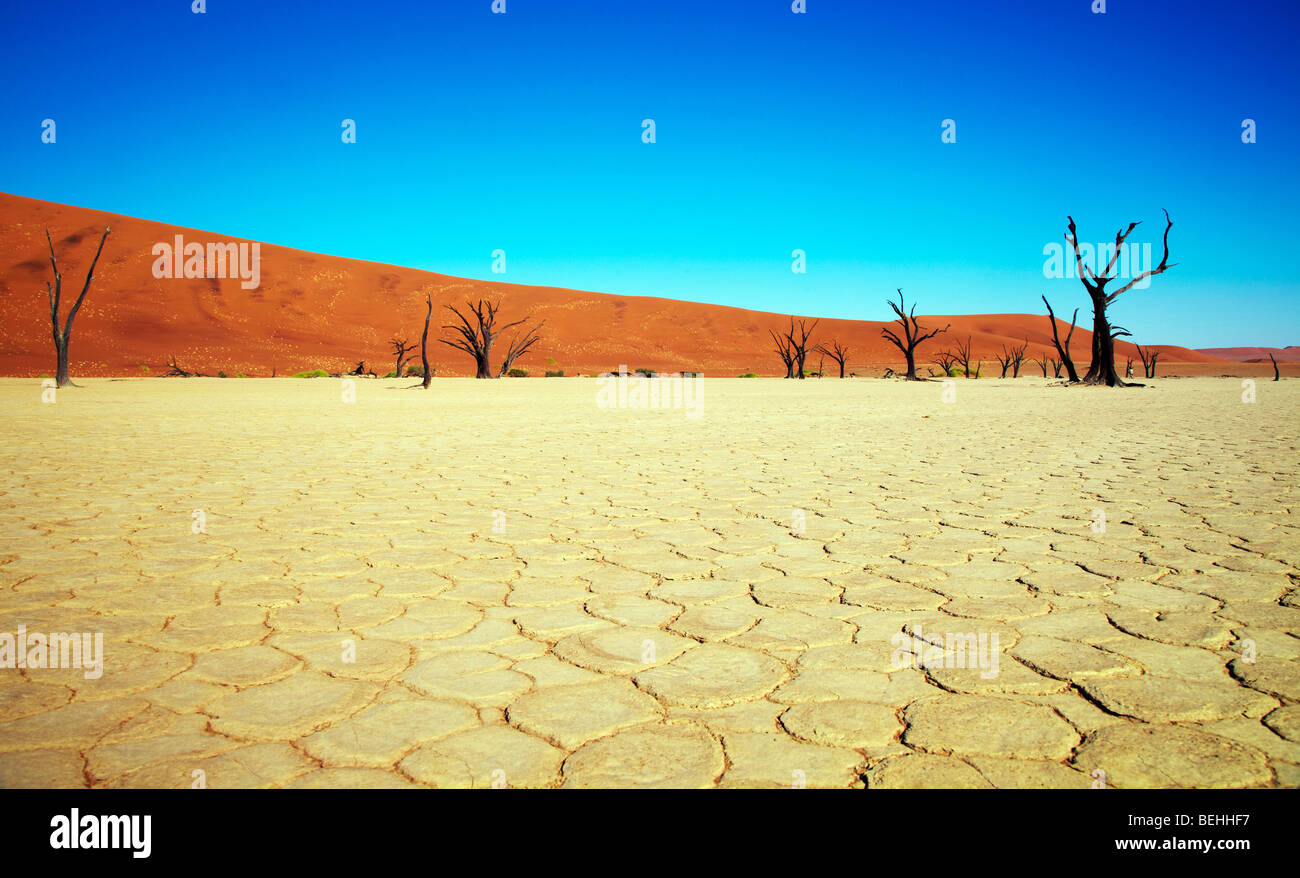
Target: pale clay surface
{"type": "Point", "coordinates": [648, 616]}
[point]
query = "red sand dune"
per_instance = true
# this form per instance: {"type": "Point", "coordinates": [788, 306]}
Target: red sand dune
{"type": "Point", "coordinates": [1290, 354]}
{"type": "Point", "coordinates": [314, 311]}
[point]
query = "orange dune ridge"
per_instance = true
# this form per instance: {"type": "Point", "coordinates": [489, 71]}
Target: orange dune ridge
{"type": "Point", "coordinates": [312, 311]}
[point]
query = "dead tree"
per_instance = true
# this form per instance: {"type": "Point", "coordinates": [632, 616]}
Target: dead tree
{"type": "Point", "coordinates": [1149, 358]}
{"type": "Point", "coordinates": [1102, 369]}
{"type": "Point", "coordinates": [945, 360]}
{"type": "Point", "coordinates": [799, 345]}
{"type": "Point", "coordinates": [784, 351]}
{"type": "Point", "coordinates": [55, 293]}
{"type": "Point", "coordinates": [477, 338]}
{"type": "Point", "coordinates": [402, 350]}
{"type": "Point", "coordinates": [913, 334]}
{"type": "Point", "coordinates": [963, 355]}
{"type": "Point", "coordinates": [519, 346]}
{"type": "Point", "coordinates": [1056, 367]}
{"type": "Point", "coordinates": [1063, 348]}
{"type": "Point", "coordinates": [424, 342]}
{"type": "Point", "coordinates": [1277, 374]}
{"type": "Point", "coordinates": [176, 371]}
{"type": "Point", "coordinates": [1041, 362]}
{"type": "Point", "coordinates": [1018, 358]}
{"type": "Point", "coordinates": [836, 352]}
{"type": "Point", "coordinates": [1004, 360]}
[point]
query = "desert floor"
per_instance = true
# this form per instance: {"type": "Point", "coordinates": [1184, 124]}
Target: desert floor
{"type": "Point", "coordinates": [501, 583]}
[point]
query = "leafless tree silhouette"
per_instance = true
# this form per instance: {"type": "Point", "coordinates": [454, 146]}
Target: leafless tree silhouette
{"type": "Point", "coordinates": [798, 338]}
{"type": "Point", "coordinates": [1063, 347]}
{"type": "Point", "coordinates": [784, 351]}
{"type": "Point", "coordinates": [912, 336]}
{"type": "Point", "coordinates": [1149, 358]}
{"type": "Point", "coordinates": [519, 346]}
{"type": "Point", "coordinates": [55, 293]}
{"type": "Point", "coordinates": [836, 352]}
{"type": "Point", "coordinates": [1277, 374]}
{"type": "Point", "coordinates": [403, 351]}
{"type": "Point", "coordinates": [1102, 369]}
{"type": "Point", "coordinates": [945, 360]}
{"type": "Point", "coordinates": [424, 342]}
{"type": "Point", "coordinates": [174, 370]}
{"type": "Point", "coordinates": [962, 355]}
{"type": "Point", "coordinates": [477, 337]}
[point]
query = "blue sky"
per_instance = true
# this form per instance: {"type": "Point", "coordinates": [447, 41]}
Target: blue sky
{"type": "Point", "coordinates": [775, 131]}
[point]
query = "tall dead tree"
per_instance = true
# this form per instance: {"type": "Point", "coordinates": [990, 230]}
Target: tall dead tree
{"type": "Point", "coordinates": [1148, 357]}
{"type": "Point", "coordinates": [1102, 369]}
{"type": "Point", "coordinates": [798, 337]}
{"type": "Point", "coordinates": [1063, 348]}
{"type": "Point", "coordinates": [913, 334]}
{"type": "Point", "coordinates": [55, 293]}
{"type": "Point", "coordinates": [424, 342]}
{"type": "Point", "coordinates": [478, 336]}
{"type": "Point", "coordinates": [836, 352]}
{"type": "Point", "coordinates": [519, 346]}
{"type": "Point", "coordinates": [784, 351]}
{"type": "Point", "coordinates": [402, 350]}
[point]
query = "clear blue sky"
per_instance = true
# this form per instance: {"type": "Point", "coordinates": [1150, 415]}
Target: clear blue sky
{"type": "Point", "coordinates": [775, 131]}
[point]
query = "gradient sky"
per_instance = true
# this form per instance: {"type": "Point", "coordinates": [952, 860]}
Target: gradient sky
{"type": "Point", "coordinates": [775, 131]}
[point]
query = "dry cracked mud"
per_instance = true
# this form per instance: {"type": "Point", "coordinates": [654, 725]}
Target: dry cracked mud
{"type": "Point", "coordinates": [502, 584]}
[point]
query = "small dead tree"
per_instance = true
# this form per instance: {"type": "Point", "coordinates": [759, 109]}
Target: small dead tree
{"type": "Point", "coordinates": [1102, 369]}
{"type": "Point", "coordinates": [1149, 358]}
{"type": "Point", "coordinates": [836, 352]}
{"type": "Point", "coordinates": [1277, 374]}
{"type": "Point", "coordinates": [799, 344]}
{"type": "Point", "coordinates": [402, 350]}
{"type": "Point", "coordinates": [945, 360]}
{"type": "Point", "coordinates": [478, 336]}
{"type": "Point", "coordinates": [1056, 367]}
{"type": "Point", "coordinates": [962, 355]}
{"type": "Point", "coordinates": [1063, 347]}
{"type": "Point", "coordinates": [912, 336]}
{"type": "Point", "coordinates": [784, 351]}
{"type": "Point", "coordinates": [55, 293]}
{"type": "Point", "coordinates": [1004, 360]}
{"type": "Point", "coordinates": [1018, 359]}
{"type": "Point", "coordinates": [1041, 362]}
{"type": "Point", "coordinates": [176, 371]}
{"type": "Point", "coordinates": [519, 346]}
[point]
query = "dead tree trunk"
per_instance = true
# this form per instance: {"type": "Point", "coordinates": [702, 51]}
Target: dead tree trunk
{"type": "Point", "coordinates": [836, 352]}
{"type": "Point", "coordinates": [784, 351]}
{"type": "Point", "coordinates": [1004, 360]}
{"type": "Point", "coordinates": [476, 338]}
{"type": "Point", "coordinates": [1277, 374]}
{"type": "Point", "coordinates": [913, 335]}
{"type": "Point", "coordinates": [1018, 359]}
{"type": "Point", "coordinates": [519, 346]}
{"type": "Point", "coordinates": [424, 342]}
{"type": "Point", "coordinates": [799, 346]}
{"type": "Point", "coordinates": [1102, 369]}
{"type": "Point", "coordinates": [963, 355]}
{"type": "Point", "coordinates": [1063, 348]}
{"type": "Point", "coordinates": [55, 293]}
{"type": "Point", "coordinates": [1149, 358]}
{"type": "Point", "coordinates": [403, 352]}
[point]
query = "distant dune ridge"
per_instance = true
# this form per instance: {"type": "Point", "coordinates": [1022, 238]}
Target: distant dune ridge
{"type": "Point", "coordinates": [1288, 354]}
{"type": "Point", "coordinates": [314, 311]}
